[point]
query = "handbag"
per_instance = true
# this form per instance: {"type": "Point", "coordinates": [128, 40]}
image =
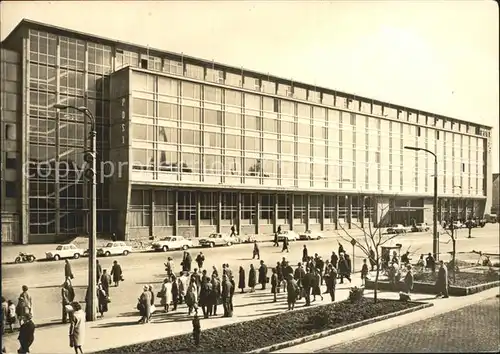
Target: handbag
{"type": "Point", "coordinates": [108, 299]}
{"type": "Point", "coordinates": [121, 278]}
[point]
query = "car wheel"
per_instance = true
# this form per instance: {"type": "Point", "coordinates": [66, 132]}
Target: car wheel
{"type": "Point", "coordinates": [309, 237]}
{"type": "Point", "coordinates": [107, 254]}
{"type": "Point", "coordinates": [18, 260]}
{"type": "Point", "coordinates": [125, 253]}
{"type": "Point", "coordinates": [31, 259]}
{"type": "Point", "coordinates": [185, 247]}
{"type": "Point", "coordinates": [57, 257]}
{"type": "Point", "coordinates": [212, 244]}
{"type": "Point", "coordinates": [164, 248]}
{"type": "Point", "coordinates": [76, 255]}
{"type": "Point", "coordinates": [229, 243]}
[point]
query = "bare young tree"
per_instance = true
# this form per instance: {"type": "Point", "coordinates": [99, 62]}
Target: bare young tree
{"type": "Point", "coordinates": [373, 237]}
{"type": "Point", "coordinates": [452, 234]}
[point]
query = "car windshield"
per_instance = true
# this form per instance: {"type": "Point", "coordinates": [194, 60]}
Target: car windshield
{"type": "Point", "coordinates": [167, 239]}
{"type": "Point", "coordinates": [59, 248]}
{"type": "Point", "coordinates": [109, 244]}
{"type": "Point", "coordinates": [213, 236]}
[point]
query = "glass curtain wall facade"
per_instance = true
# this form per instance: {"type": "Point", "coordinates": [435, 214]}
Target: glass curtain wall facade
{"type": "Point", "coordinates": [72, 72]}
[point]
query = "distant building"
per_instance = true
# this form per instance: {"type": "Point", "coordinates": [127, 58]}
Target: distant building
{"type": "Point", "coordinates": [495, 198]}
{"type": "Point", "coordinates": [198, 146]}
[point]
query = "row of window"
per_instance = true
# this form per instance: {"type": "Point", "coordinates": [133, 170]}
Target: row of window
{"type": "Point", "coordinates": [43, 49]}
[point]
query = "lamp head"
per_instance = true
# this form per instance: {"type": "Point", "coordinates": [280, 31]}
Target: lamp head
{"type": "Point", "coordinates": [412, 148]}
{"type": "Point", "coordinates": [60, 106]}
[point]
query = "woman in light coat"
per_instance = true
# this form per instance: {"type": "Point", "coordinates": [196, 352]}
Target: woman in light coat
{"type": "Point", "coordinates": [77, 328]}
{"type": "Point", "coordinates": [144, 305]}
{"type": "Point", "coordinates": [166, 294]}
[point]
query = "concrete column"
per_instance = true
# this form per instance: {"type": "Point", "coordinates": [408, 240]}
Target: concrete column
{"type": "Point", "coordinates": [322, 212]}
{"type": "Point", "coordinates": [308, 211]}
{"type": "Point", "coordinates": [176, 213]}
{"type": "Point", "coordinates": [257, 213]}
{"type": "Point", "coordinates": [349, 212]}
{"type": "Point", "coordinates": [336, 212]}
{"type": "Point", "coordinates": [291, 200]}
{"type": "Point", "coordinates": [275, 214]}
{"type": "Point", "coordinates": [152, 207]}
{"type": "Point", "coordinates": [198, 212]}
{"type": "Point", "coordinates": [219, 211]}
{"type": "Point", "coordinates": [238, 211]}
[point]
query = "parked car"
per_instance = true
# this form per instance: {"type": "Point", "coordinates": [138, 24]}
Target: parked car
{"type": "Point", "coordinates": [218, 239]}
{"type": "Point", "coordinates": [398, 229]}
{"type": "Point", "coordinates": [477, 223]}
{"type": "Point", "coordinates": [420, 227]}
{"type": "Point", "coordinates": [309, 235]}
{"type": "Point", "coordinates": [65, 251]}
{"type": "Point", "coordinates": [456, 225]}
{"type": "Point", "coordinates": [246, 238]}
{"type": "Point", "coordinates": [290, 235]}
{"type": "Point", "coordinates": [114, 248]}
{"type": "Point", "coordinates": [491, 218]}
{"type": "Point", "coordinates": [172, 243]}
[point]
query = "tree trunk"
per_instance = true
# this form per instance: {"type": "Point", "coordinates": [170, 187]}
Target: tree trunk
{"type": "Point", "coordinates": [454, 260]}
{"type": "Point", "coordinates": [375, 288]}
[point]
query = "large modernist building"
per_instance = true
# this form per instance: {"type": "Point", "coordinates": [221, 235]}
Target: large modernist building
{"type": "Point", "coordinates": [192, 146]}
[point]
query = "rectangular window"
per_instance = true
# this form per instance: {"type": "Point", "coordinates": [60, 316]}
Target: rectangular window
{"type": "Point", "coordinates": [212, 94]}
{"type": "Point", "coordinates": [190, 163]}
{"type": "Point", "coordinates": [233, 120]}
{"type": "Point", "coordinates": [213, 117]}
{"type": "Point", "coordinates": [213, 164]}
{"type": "Point", "coordinates": [213, 139]}
{"type": "Point", "coordinates": [168, 86]}
{"type": "Point", "coordinates": [233, 142]}
{"type": "Point", "coordinates": [190, 90]}
{"type": "Point", "coordinates": [167, 134]}
{"type": "Point", "coordinates": [142, 132]}
{"type": "Point", "coordinates": [10, 163]}
{"type": "Point", "coordinates": [270, 125]}
{"type": "Point", "coordinates": [252, 122]}
{"type": "Point", "coordinates": [233, 98]}
{"type": "Point", "coordinates": [287, 169]}
{"type": "Point", "coordinates": [304, 149]}
{"type": "Point", "coordinates": [168, 161]}
{"type": "Point", "coordinates": [143, 107]}
{"type": "Point", "coordinates": [191, 114]}
{"type": "Point", "coordinates": [190, 137]}
{"type": "Point", "coordinates": [270, 146]}
{"type": "Point", "coordinates": [287, 147]}
{"type": "Point", "coordinates": [287, 128]}
{"type": "Point", "coordinates": [10, 189]}
{"type": "Point", "coordinates": [304, 130]}
{"type": "Point", "coordinates": [142, 159]}
{"type": "Point", "coordinates": [252, 143]}
{"type": "Point", "coordinates": [168, 110]}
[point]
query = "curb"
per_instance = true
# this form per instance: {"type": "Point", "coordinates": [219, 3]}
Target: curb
{"type": "Point", "coordinates": [333, 331]}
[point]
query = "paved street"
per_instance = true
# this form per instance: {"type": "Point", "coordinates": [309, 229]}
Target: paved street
{"type": "Point", "coordinates": [45, 278]}
{"type": "Point", "coordinates": [472, 329]}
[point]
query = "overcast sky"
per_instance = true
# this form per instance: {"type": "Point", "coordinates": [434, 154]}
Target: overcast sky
{"type": "Point", "coordinates": [438, 56]}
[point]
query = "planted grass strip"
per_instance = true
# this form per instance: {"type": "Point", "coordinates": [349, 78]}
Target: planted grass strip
{"type": "Point", "coordinates": [265, 332]}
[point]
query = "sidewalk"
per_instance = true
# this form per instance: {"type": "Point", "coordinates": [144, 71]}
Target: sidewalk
{"type": "Point", "coordinates": [124, 330]}
{"type": "Point", "coordinates": [441, 306]}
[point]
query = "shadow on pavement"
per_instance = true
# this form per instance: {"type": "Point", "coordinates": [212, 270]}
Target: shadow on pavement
{"type": "Point", "coordinates": [118, 324]}
{"type": "Point", "coordinates": [255, 303]}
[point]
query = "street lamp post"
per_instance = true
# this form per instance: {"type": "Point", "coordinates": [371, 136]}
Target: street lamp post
{"type": "Point", "coordinates": [435, 236]}
{"type": "Point", "coordinates": [90, 174]}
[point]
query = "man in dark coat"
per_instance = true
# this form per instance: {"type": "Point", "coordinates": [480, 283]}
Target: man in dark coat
{"type": "Point", "coordinates": [231, 293]}
{"type": "Point", "coordinates": [233, 231]}
{"type": "Point", "coordinates": [98, 269]}
{"type": "Point", "coordinates": [226, 294]}
{"type": "Point", "coordinates": [67, 297]}
{"type": "Point", "coordinates": [116, 273]}
{"type": "Point", "coordinates": [26, 334]}
{"type": "Point", "coordinates": [430, 263]}
{"type": "Point", "coordinates": [215, 296]}
{"type": "Point", "coordinates": [305, 255]}
{"type": "Point", "coordinates": [105, 281]}
{"type": "Point", "coordinates": [442, 281]}
{"type": "Point", "coordinates": [200, 259]}
{"type": "Point", "coordinates": [263, 275]}
{"type": "Point", "coordinates": [285, 245]}
{"type": "Point", "coordinates": [320, 267]}
{"type": "Point", "coordinates": [331, 281]}
{"type": "Point", "coordinates": [373, 261]}
{"type": "Point", "coordinates": [334, 259]}
{"type": "Point", "coordinates": [256, 251]}
{"type": "Point", "coordinates": [276, 243]}
{"type": "Point", "coordinates": [205, 294]}
{"type": "Point", "coordinates": [68, 272]}
{"type": "Point", "coordinates": [307, 281]}
{"type": "Point", "coordinates": [186, 262]}
{"type": "Point", "coordinates": [298, 276]}
{"type": "Point", "coordinates": [341, 248]}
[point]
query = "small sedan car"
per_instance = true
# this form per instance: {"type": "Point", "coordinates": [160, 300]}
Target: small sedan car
{"type": "Point", "coordinates": [65, 251]}
{"type": "Point", "coordinates": [397, 229]}
{"type": "Point", "coordinates": [309, 235]}
{"type": "Point", "coordinates": [114, 248]}
{"type": "Point", "coordinates": [288, 234]}
{"type": "Point", "coordinates": [218, 239]}
{"type": "Point", "coordinates": [172, 243]}
{"type": "Point", "coordinates": [420, 227]}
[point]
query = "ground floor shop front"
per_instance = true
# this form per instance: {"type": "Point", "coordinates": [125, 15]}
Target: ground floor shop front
{"type": "Point", "coordinates": [196, 213]}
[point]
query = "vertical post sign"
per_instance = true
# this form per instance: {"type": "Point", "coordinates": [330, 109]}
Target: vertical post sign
{"type": "Point", "coordinates": [353, 243]}
{"type": "Point", "coordinates": [123, 116]}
